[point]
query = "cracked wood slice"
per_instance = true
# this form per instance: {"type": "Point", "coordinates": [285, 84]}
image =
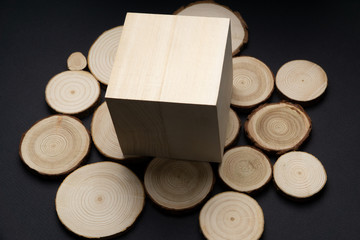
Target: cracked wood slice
{"type": "Point", "coordinates": [245, 169]}
{"type": "Point", "coordinates": [100, 200]}
{"type": "Point", "coordinates": [299, 174]}
{"type": "Point", "coordinates": [239, 33]}
{"type": "Point", "coordinates": [301, 80]}
{"type": "Point", "coordinates": [55, 145]}
{"type": "Point", "coordinates": [253, 82]}
{"type": "Point", "coordinates": [76, 61]}
{"type": "Point", "coordinates": [278, 127]}
{"type": "Point", "coordinates": [232, 129]}
{"type": "Point", "coordinates": [102, 54]}
{"type": "Point", "coordinates": [232, 216]}
{"type": "Point", "coordinates": [72, 92]}
{"type": "Point", "coordinates": [178, 185]}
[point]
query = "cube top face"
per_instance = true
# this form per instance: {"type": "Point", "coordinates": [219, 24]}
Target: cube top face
{"type": "Point", "coordinates": [167, 58]}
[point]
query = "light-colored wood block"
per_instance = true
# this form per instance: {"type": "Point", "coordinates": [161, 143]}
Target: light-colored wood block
{"type": "Point", "coordinates": [170, 88]}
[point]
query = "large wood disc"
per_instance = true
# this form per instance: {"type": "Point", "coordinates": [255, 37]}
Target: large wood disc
{"type": "Point", "coordinates": [253, 82]}
{"type": "Point", "coordinates": [245, 169]}
{"type": "Point", "coordinates": [301, 80]}
{"type": "Point", "coordinates": [232, 216]}
{"type": "Point", "coordinates": [55, 145]}
{"type": "Point", "coordinates": [100, 200]}
{"type": "Point", "coordinates": [299, 174]}
{"type": "Point", "coordinates": [102, 54]}
{"type": "Point", "coordinates": [278, 127]}
{"type": "Point", "coordinates": [232, 129]}
{"type": "Point", "coordinates": [72, 92]}
{"type": "Point", "coordinates": [76, 61]}
{"type": "Point", "coordinates": [239, 34]}
{"type": "Point", "coordinates": [176, 184]}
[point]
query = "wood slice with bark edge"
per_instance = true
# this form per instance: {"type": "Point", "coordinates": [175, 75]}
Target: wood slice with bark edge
{"type": "Point", "coordinates": [231, 216]}
{"type": "Point", "coordinates": [239, 33]}
{"type": "Point", "coordinates": [102, 54]}
{"type": "Point", "coordinates": [178, 185]}
{"type": "Point", "coordinates": [100, 200]}
{"type": "Point", "coordinates": [272, 127]}
{"type": "Point", "coordinates": [299, 174]}
{"type": "Point", "coordinates": [245, 169]}
{"type": "Point", "coordinates": [301, 81]}
{"type": "Point", "coordinates": [253, 82]}
{"type": "Point", "coordinates": [72, 92]}
{"type": "Point", "coordinates": [76, 61]}
{"type": "Point", "coordinates": [232, 129]}
{"type": "Point", "coordinates": [55, 145]}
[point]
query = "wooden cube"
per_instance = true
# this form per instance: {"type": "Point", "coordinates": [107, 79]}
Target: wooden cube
{"type": "Point", "coordinates": [170, 88]}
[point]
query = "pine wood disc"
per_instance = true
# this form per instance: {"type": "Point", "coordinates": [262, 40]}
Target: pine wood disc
{"type": "Point", "coordinates": [72, 92]}
{"type": "Point", "coordinates": [278, 127]}
{"type": "Point", "coordinates": [102, 54]}
{"type": "Point", "coordinates": [299, 174]}
{"type": "Point", "coordinates": [232, 216]}
{"type": "Point", "coordinates": [301, 80]}
{"type": "Point", "coordinates": [245, 169]}
{"type": "Point", "coordinates": [176, 184]}
{"type": "Point", "coordinates": [239, 34]}
{"type": "Point", "coordinates": [76, 61]}
{"type": "Point", "coordinates": [232, 129]}
{"type": "Point", "coordinates": [100, 200]}
{"type": "Point", "coordinates": [55, 145]}
{"type": "Point", "coordinates": [253, 82]}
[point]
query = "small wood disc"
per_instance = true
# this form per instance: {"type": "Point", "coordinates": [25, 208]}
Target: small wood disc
{"type": "Point", "coordinates": [232, 129]}
{"type": "Point", "coordinates": [299, 174]}
{"type": "Point", "coordinates": [55, 145]}
{"type": "Point", "coordinates": [245, 169]}
{"type": "Point", "coordinates": [76, 61]}
{"type": "Point", "coordinates": [253, 82]}
{"type": "Point", "coordinates": [239, 34]}
{"type": "Point", "coordinates": [232, 216]}
{"type": "Point", "coordinates": [102, 54]}
{"type": "Point", "coordinates": [176, 184]}
{"type": "Point", "coordinates": [72, 92]}
{"type": "Point", "coordinates": [278, 127]}
{"type": "Point", "coordinates": [301, 80]}
{"type": "Point", "coordinates": [100, 200]}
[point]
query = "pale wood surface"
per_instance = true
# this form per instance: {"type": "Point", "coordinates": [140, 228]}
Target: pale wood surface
{"type": "Point", "coordinates": [232, 129]}
{"type": "Point", "coordinates": [76, 61]}
{"type": "Point", "coordinates": [232, 216]}
{"type": "Point", "coordinates": [100, 200]}
{"type": "Point", "coordinates": [55, 145]}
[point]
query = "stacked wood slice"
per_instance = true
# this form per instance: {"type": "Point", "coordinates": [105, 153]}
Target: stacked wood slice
{"type": "Point", "coordinates": [232, 129]}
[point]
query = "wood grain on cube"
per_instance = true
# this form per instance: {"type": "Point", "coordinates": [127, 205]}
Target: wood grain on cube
{"type": "Point", "coordinates": [76, 61]}
{"type": "Point", "coordinates": [239, 33]}
{"type": "Point", "coordinates": [102, 54]}
{"type": "Point", "coordinates": [232, 215]}
{"type": "Point", "coordinates": [253, 82]}
{"type": "Point", "coordinates": [245, 169]}
{"type": "Point", "coordinates": [178, 185]}
{"type": "Point", "coordinates": [55, 145]}
{"type": "Point", "coordinates": [301, 80]}
{"type": "Point", "coordinates": [299, 174]}
{"type": "Point", "coordinates": [100, 200]}
{"type": "Point", "coordinates": [72, 92]}
{"type": "Point", "coordinates": [233, 128]}
{"type": "Point", "coordinates": [278, 127]}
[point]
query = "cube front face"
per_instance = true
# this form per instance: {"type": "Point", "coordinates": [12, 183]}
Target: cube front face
{"type": "Point", "coordinates": [170, 88]}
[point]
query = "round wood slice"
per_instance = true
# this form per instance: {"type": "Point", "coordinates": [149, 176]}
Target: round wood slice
{"type": "Point", "coordinates": [102, 54]}
{"type": "Point", "coordinates": [239, 34]}
{"type": "Point", "coordinates": [245, 169]}
{"type": "Point", "coordinates": [299, 174]}
{"type": "Point", "coordinates": [72, 92]}
{"type": "Point", "coordinates": [301, 80]}
{"type": "Point", "coordinates": [176, 184]}
{"type": "Point", "coordinates": [100, 200]}
{"type": "Point", "coordinates": [278, 127]}
{"type": "Point", "coordinates": [55, 145]}
{"type": "Point", "coordinates": [232, 129]}
{"type": "Point", "coordinates": [253, 82]}
{"type": "Point", "coordinates": [232, 216]}
{"type": "Point", "coordinates": [76, 61]}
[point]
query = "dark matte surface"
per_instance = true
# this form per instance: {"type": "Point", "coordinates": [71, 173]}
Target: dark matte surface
{"type": "Point", "coordinates": [37, 37]}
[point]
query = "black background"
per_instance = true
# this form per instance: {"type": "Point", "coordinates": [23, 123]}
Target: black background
{"type": "Point", "coordinates": [36, 37]}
